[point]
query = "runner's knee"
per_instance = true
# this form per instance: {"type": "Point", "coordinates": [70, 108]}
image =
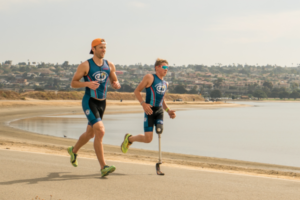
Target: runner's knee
{"type": "Point", "coordinates": [148, 138]}
{"type": "Point", "coordinates": [90, 134]}
{"type": "Point", "coordinates": [99, 132]}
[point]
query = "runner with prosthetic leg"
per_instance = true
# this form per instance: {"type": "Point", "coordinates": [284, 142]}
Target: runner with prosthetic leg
{"type": "Point", "coordinates": [154, 105]}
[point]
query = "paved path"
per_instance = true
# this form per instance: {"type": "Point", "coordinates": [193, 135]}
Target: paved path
{"type": "Point", "coordinates": [27, 175]}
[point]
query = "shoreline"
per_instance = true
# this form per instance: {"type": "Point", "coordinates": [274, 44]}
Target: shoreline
{"type": "Point", "coordinates": [266, 100]}
{"type": "Point", "coordinates": [15, 139]}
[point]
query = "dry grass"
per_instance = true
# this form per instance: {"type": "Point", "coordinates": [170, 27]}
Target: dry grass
{"type": "Point", "coordinates": [74, 95]}
{"type": "Point", "coordinates": [53, 95]}
{"type": "Point", "coordinates": [9, 95]}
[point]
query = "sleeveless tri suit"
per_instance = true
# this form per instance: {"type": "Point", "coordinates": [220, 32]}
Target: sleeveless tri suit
{"type": "Point", "coordinates": [154, 96]}
{"type": "Point", "coordinates": [93, 108]}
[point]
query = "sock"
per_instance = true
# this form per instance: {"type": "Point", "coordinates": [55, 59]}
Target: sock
{"type": "Point", "coordinates": [129, 141]}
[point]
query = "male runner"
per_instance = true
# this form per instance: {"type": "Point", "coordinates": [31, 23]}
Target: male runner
{"type": "Point", "coordinates": [154, 105]}
{"type": "Point", "coordinates": [96, 72]}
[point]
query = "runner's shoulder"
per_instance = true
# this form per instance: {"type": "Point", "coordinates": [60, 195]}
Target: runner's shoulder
{"type": "Point", "coordinates": [148, 78]}
{"type": "Point", "coordinates": [109, 62]}
{"type": "Point", "coordinates": [111, 65]}
{"type": "Point", "coordinates": [84, 66]}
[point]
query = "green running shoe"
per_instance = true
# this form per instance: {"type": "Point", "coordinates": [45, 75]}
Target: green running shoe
{"type": "Point", "coordinates": [107, 169]}
{"type": "Point", "coordinates": [125, 145]}
{"type": "Point", "coordinates": [73, 158]}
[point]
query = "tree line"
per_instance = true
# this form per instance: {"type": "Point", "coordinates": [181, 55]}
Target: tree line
{"type": "Point", "coordinates": [267, 91]}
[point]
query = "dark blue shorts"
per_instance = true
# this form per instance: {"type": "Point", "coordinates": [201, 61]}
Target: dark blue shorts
{"type": "Point", "coordinates": [157, 117]}
{"type": "Point", "coordinates": [93, 109]}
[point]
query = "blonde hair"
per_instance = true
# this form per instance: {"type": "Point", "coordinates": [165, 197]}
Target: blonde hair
{"type": "Point", "coordinates": [160, 61]}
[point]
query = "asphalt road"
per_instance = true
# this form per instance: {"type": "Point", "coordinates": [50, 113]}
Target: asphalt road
{"type": "Point", "coordinates": [27, 175]}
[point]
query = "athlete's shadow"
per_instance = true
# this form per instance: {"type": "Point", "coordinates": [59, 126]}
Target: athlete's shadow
{"type": "Point", "coordinates": [56, 176]}
{"type": "Point", "coordinates": [113, 174]}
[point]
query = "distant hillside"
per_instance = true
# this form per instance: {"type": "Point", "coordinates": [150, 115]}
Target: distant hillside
{"type": "Point", "coordinates": [11, 95]}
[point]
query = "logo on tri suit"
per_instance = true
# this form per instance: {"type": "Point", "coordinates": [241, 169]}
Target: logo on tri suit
{"type": "Point", "coordinates": [100, 76]}
{"type": "Point", "coordinates": [87, 112]}
{"type": "Point", "coordinates": [160, 122]}
{"type": "Point", "coordinates": [160, 88]}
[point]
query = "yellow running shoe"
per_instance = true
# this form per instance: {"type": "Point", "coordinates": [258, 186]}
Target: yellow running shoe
{"type": "Point", "coordinates": [107, 169]}
{"type": "Point", "coordinates": [73, 158]}
{"type": "Point", "coordinates": [125, 145]}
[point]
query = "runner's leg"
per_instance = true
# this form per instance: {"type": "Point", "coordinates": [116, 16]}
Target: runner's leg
{"type": "Point", "coordinates": [148, 130]}
{"type": "Point", "coordinates": [91, 109]}
{"type": "Point", "coordinates": [98, 129]}
{"type": "Point", "coordinates": [146, 138]}
{"type": "Point", "coordinates": [84, 138]}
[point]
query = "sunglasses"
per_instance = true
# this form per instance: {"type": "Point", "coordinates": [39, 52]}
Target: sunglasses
{"type": "Point", "coordinates": [164, 67]}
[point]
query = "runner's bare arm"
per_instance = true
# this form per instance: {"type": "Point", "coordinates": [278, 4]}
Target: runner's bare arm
{"type": "Point", "coordinates": [146, 82]}
{"type": "Point", "coordinates": [171, 113]}
{"type": "Point", "coordinates": [113, 77]}
{"type": "Point", "coordinates": [82, 70]}
{"type": "Point", "coordinates": [164, 104]}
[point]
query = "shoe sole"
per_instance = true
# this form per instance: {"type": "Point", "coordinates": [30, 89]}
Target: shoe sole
{"type": "Point", "coordinates": [124, 141]}
{"type": "Point", "coordinates": [102, 175]}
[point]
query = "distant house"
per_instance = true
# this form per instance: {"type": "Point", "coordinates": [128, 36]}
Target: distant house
{"type": "Point", "coordinates": [22, 63]}
{"type": "Point", "coordinates": [21, 80]}
{"type": "Point", "coordinates": [244, 97]}
{"type": "Point", "coordinates": [64, 79]}
{"type": "Point", "coordinates": [119, 73]}
{"type": "Point", "coordinates": [45, 72]}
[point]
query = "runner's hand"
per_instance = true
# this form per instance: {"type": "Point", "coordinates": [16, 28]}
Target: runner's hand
{"type": "Point", "coordinates": [147, 108]}
{"type": "Point", "coordinates": [93, 85]}
{"type": "Point", "coordinates": [172, 114]}
{"type": "Point", "coordinates": [116, 85]}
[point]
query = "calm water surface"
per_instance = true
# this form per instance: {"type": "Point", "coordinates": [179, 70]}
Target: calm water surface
{"type": "Point", "coordinates": [266, 132]}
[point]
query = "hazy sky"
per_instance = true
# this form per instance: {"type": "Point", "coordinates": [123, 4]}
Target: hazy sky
{"type": "Point", "coordinates": [183, 32]}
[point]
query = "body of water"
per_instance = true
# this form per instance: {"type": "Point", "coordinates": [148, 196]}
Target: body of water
{"type": "Point", "coordinates": [266, 132]}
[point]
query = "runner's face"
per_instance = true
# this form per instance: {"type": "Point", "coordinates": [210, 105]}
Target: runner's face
{"type": "Point", "coordinates": [100, 50]}
{"type": "Point", "coordinates": [160, 70]}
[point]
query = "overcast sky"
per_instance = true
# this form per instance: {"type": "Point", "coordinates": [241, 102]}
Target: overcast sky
{"type": "Point", "coordinates": [183, 32]}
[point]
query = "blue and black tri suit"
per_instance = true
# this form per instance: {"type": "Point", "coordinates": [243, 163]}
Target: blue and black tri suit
{"type": "Point", "coordinates": [154, 96]}
{"type": "Point", "coordinates": [93, 108]}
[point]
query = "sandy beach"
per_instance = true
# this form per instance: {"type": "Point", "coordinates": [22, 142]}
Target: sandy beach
{"type": "Point", "coordinates": [19, 140]}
